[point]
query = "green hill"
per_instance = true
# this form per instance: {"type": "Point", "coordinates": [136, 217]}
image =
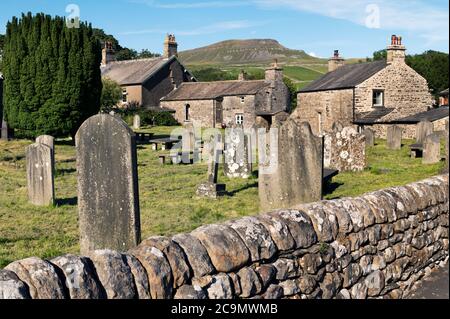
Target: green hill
{"type": "Point", "coordinates": [256, 51]}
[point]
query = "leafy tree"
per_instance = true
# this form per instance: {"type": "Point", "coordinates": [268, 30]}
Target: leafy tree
{"type": "Point", "coordinates": [292, 92]}
{"type": "Point", "coordinates": [52, 75]}
{"type": "Point", "coordinates": [147, 54]}
{"type": "Point", "coordinates": [433, 66]}
{"type": "Point", "coordinates": [2, 44]}
{"type": "Point", "coordinates": [380, 55]}
{"type": "Point", "coordinates": [111, 95]}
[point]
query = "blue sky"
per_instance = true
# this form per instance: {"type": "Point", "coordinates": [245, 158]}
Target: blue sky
{"type": "Point", "coordinates": [355, 27]}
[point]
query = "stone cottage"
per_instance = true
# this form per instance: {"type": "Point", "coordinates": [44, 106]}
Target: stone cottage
{"type": "Point", "coordinates": [230, 103]}
{"type": "Point", "coordinates": [145, 81]}
{"type": "Point", "coordinates": [443, 98]}
{"type": "Point", "coordinates": [374, 94]}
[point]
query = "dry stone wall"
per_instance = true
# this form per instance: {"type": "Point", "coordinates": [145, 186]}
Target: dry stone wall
{"type": "Point", "coordinates": [374, 246]}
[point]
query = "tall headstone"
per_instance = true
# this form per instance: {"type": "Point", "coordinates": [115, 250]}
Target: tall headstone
{"type": "Point", "coordinates": [423, 129]}
{"type": "Point", "coordinates": [345, 149]}
{"type": "Point", "coordinates": [5, 131]}
{"type": "Point", "coordinates": [47, 140]}
{"type": "Point", "coordinates": [108, 194]}
{"type": "Point", "coordinates": [40, 178]}
{"type": "Point", "coordinates": [211, 188]}
{"type": "Point", "coordinates": [291, 171]}
{"type": "Point", "coordinates": [188, 143]}
{"type": "Point", "coordinates": [370, 137]}
{"type": "Point", "coordinates": [136, 122]}
{"type": "Point", "coordinates": [238, 157]}
{"type": "Point", "coordinates": [394, 137]}
{"type": "Point", "coordinates": [431, 149]}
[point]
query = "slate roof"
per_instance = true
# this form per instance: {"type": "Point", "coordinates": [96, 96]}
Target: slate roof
{"type": "Point", "coordinates": [346, 77]}
{"type": "Point", "coordinates": [431, 115]}
{"type": "Point", "coordinates": [212, 90]}
{"type": "Point", "coordinates": [133, 72]}
{"type": "Point", "coordinates": [373, 116]}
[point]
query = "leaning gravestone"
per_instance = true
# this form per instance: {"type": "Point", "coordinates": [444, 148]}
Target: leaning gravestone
{"type": "Point", "coordinates": [291, 171]}
{"type": "Point", "coordinates": [238, 157]}
{"type": "Point", "coordinates": [40, 178]}
{"type": "Point", "coordinates": [431, 149]}
{"type": "Point", "coordinates": [394, 137]}
{"type": "Point", "coordinates": [370, 137]}
{"type": "Point", "coordinates": [423, 129]}
{"type": "Point", "coordinates": [211, 188]}
{"type": "Point", "coordinates": [345, 149]}
{"type": "Point", "coordinates": [136, 122]}
{"type": "Point", "coordinates": [108, 195]}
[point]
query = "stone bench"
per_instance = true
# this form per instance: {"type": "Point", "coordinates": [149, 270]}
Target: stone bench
{"type": "Point", "coordinates": [416, 150]}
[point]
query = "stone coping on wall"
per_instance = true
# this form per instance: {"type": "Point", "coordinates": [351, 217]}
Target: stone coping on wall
{"type": "Point", "coordinates": [377, 245]}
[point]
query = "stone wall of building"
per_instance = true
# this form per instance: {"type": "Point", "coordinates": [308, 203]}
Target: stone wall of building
{"type": "Point", "coordinates": [374, 246]}
{"type": "Point", "coordinates": [200, 110]}
{"type": "Point", "coordinates": [162, 84]}
{"type": "Point", "coordinates": [234, 105]}
{"type": "Point", "coordinates": [327, 107]}
{"type": "Point", "coordinates": [134, 94]}
{"type": "Point", "coordinates": [404, 90]}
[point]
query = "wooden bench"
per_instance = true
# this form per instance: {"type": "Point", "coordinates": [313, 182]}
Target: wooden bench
{"type": "Point", "coordinates": [416, 150]}
{"type": "Point", "coordinates": [143, 137]}
{"type": "Point", "coordinates": [166, 143]}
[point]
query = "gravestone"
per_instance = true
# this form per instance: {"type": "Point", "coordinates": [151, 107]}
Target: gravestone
{"type": "Point", "coordinates": [188, 144]}
{"type": "Point", "coordinates": [291, 168]}
{"type": "Point", "coordinates": [47, 140]}
{"type": "Point", "coordinates": [136, 122]}
{"type": "Point", "coordinates": [431, 149]}
{"type": "Point", "coordinates": [423, 129]}
{"type": "Point", "coordinates": [394, 137]}
{"type": "Point", "coordinates": [238, 157]}
{"type": "Point", "coordinates": [211, 188]}
{"type": "Point", "coordinates": [108, 194]}
{"type": "Point", "coordinates": [370, 137]}
{"type": "Point", "coordinates": [40, 178]}
{"type": "Point", "coordinates": [5, 132]}
{"type": "Point", "coordinates": [345, 149]}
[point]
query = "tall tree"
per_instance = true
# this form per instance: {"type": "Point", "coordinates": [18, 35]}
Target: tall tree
{"type": "Point", "coordinates": [52, 75]}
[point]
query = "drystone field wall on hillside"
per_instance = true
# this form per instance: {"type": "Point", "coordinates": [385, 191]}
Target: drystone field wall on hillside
{"type": "Point", "coordinates": [374, 246]}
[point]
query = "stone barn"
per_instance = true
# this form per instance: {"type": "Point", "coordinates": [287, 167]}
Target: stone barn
{"type": "Point", "coordinates": [230, 103]}
{"type": "Point", "coordinates": [365, 94]}
{"type": "Point", "coordinates": [145, 81]}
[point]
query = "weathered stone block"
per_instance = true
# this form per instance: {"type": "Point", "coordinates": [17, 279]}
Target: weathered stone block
{"type": "Point", "coordinates": [279, 231]}
{"type": "Point", "coordinates": [11, 287]}
{"type": "Point", "coordinates": [394, 137]}
{"type": "Point", "coordinates": [238, 154]}
{"type": "Point", "coordinates": [187, 292]}
{"type": "Point", "coordinates": [249, 282]}
{"type": "Point", "coordinates": [108, 196]}
{"type": "Point", "coordinates": [431, 149]}
{"type": "Point", "coordinates": [225, 247]}
{"type": "Point", "coordinates": [40, 174]}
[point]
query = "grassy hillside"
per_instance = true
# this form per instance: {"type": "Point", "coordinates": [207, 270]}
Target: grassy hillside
{"type": "Point", "coordinates": [234, 52]}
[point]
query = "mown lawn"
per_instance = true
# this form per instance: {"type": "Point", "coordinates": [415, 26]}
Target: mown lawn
{"type": "Point", "coordinates": [166, 195]}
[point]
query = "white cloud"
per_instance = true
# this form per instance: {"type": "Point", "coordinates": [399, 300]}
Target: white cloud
{"type": "Point", "coordinates": [208, 29]}
{"type": "Point", "coordinates": [431, 22]}
{"type": "Point", "coordinates": [313, 54]}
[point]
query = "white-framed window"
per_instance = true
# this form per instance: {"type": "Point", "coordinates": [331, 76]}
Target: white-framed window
{"type": "Point", "coordinates": [242, 99]}
{"type": "Point", "coordinates": [378, 98]}
{"type": "Point", "coordinates": [239, 119]}
{"type": "Point", "coordinates": [124, 95]}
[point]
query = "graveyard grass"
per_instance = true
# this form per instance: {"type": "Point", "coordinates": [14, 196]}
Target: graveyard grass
{"type": "Point", "coordinates": [166, 196]}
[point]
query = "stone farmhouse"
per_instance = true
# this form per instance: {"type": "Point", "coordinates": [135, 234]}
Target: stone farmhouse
{"type": "Point", "coordinates": [374, 94]}
{"type": "Point", "coordinates": [145, 81]}
{"type": "Point", "coordinates": [240, 102]}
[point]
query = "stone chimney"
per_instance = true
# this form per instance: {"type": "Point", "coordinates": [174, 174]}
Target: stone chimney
{"type": "Point", "coordinates": [274, 73]}
{"type": "Point", "coordinates": [108, 54]}
{"type": "Point", "coordinates": [335, 62]}
{"type": "Point", "coordinates": [396, 52]}
{"type": "Point", "coordinates": [170, 46]}
{"type": "Point", "coordinates": [242, 76]}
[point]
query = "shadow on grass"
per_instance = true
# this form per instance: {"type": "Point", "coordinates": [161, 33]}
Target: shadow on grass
{"type": "Point", "coordinates": [330, 188]}
{"type": "Point", "coordinates": [243, 188]}
{"type": "Point", "coordinates": [67, 142]}
{"type": "Point", "coordinates": [64, 171]}
{"type": "Point", "coordinates": [72, 201]}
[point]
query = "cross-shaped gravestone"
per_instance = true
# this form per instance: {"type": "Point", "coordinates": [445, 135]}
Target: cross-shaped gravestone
{"type": "Point", "coordinates": [211, 189]}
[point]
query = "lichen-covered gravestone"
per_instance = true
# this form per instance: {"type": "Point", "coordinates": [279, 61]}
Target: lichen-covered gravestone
{"type": "Point", "coordinates": [40, 178]}
{"type": "Point", "coordinates": [394, 137]}
{"type": "Point", "coordinates": [238, 157]}
{"type": "Point", "coordinates": [345, 150]}
{"type": "Point", "coordinates": [423, 129]}
{"type": "Point", "coordinates": [291, 172]}
{"type": "Point", "coordinates": [370, 137]}
{"type": "Point", "coordinates": [431, 149]}
{"type": "Point", "coordinates": [136, 122]}
{"type": "Point", "coordinates": [108, 195]}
